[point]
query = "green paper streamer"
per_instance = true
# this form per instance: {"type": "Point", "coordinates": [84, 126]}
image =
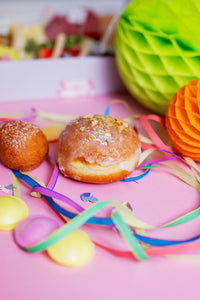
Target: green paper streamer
{"type": "Point", "coordinates": [184, 219]}
{"type": "Point", "coordinates": [126, 233]}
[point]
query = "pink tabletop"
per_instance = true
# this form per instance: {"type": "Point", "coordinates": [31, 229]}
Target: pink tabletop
{"type": "Point", "coordinates": [156, 199]}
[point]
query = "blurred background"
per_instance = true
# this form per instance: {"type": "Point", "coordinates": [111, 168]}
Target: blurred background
{"type": "Point", "coordinates": [32, 11]}
{"type": "Point", "coordinates": [37, 36]}
{"type": "Point", "coordinates": [35, 29]}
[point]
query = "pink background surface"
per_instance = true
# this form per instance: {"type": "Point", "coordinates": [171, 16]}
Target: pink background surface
{"type": "Point", "coordinates": [156, 199]}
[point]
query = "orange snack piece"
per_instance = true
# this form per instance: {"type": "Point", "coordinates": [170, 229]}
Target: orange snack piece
{"type": "Point", "coordinates": [98, 149]}
{"type": "Point", "coordinates": [183, 118]}
{"type": "Point", "coordinates": [23, 146]}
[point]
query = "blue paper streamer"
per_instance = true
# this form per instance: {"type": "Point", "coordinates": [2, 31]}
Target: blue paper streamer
{"type": "Point", "coordinates": [107, 110]}
{"type": "Point", "coordinates": [134, 178]}
{"type": "Point", "coordinates": [101, 221]}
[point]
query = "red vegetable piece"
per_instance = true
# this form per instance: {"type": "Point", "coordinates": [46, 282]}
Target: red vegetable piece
{"type": "Point", "coordinates": [45, 52]}
{"type": "Point", "coordinates": [74, 51]}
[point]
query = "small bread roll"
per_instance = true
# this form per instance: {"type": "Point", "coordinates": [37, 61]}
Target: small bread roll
{"type": "Point", "coordinates": [23, 146]}
{"type": "Point", "coordinates": [98, 149]}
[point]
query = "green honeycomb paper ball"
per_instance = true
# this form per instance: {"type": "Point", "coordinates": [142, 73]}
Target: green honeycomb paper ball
{"type": "Point", "coordinates": [158, 49]}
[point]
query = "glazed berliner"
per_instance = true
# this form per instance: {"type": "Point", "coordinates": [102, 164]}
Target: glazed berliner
{"type": "Point", "coordinates": [98, 149]}
{"type": "Point", "coordinates": [23, 146]}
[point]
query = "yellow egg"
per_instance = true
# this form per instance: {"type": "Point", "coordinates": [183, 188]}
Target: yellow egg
{"type": "Point", "coordinates": [12, 211]}
{"type": "Point", "coordinates": [74, 250]}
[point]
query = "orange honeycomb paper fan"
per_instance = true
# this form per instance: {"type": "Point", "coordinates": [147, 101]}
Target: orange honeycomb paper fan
{"type": "Point", "coordinates": [183, 119]}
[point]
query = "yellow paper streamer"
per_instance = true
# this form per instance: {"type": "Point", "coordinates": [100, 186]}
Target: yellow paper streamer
{"type": "Point", "coordinates": [194, 167]}
{"type": "Point", "coordinates": [125, 104]}
{"type": "Point", "coordinates": [35, 194]}
{"type": "Point", "coordinates": [182, 174]}
{"type": "Point", "coordinates": [145, 154]}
